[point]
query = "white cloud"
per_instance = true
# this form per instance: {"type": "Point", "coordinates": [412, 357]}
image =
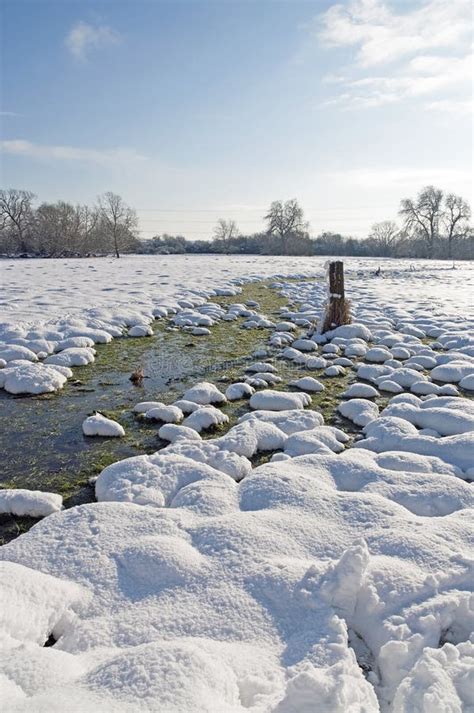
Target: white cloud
{"type": "Point", "coordinates": [9, 113]}
{"type": "Point", "coordinates": [20, 147]}
{"type": "Point", "coordinates": [84, 38]}
{"type": "Point", "coordinates": [421, 77]}
{"type": "Point", "coordinates": [383, 36]}
{"type": "Point", "coordinates": [426, 50]}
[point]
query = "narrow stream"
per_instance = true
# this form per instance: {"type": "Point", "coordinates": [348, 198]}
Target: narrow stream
{"type": "Point", "coordinates": [43, 446]}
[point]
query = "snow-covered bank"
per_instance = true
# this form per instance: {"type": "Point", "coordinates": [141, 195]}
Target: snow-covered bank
{"type": "Point", "coordinates": [333, 578]}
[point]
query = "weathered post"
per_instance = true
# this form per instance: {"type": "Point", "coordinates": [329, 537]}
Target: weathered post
{"type": "Point", "coordinates": [338, 308]}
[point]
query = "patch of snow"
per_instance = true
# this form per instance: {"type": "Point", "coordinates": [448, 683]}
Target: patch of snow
{"type": "Point", "coordinates": [98, 425]}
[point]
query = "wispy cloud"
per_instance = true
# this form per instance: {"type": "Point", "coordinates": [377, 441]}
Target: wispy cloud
{"type": "Point", "coordinates": [422, 76]}
{"type": "Point", "coordinates": [84, 38]}
{"type": "Point", "coordinates": [451, 106]}
{"type": "Point", "coordinates": [21, 147]}
{"type": "Point", "coordinates": [10, 113]}
{"type": "Point", "coordinates": [420, 52]}
{"type": "Point", "coordinates": [406, 177]}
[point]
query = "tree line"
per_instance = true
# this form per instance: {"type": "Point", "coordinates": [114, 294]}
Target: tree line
{"type": "Point", "coordinates": [65, 230]}
{"type": "Point", "coordinates": [434, 224]}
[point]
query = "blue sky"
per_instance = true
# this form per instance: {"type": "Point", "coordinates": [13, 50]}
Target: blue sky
{"type": "Point", "coordinates": [199, 110]}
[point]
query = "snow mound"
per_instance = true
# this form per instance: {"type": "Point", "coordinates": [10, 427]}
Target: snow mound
{"type": "Point", "coordinates": [315, 362]}
{"type": "Point", "coordinates": [447, 421]}
{"type": "Point", "coordinates": [467, 382]}
{"type": "Point", "coordinates": [390, 433]}
{"type": "Point", "coordinates": [279, 400]}
{"type": "Point", "coordinates": [359, 411]}
{"type": "Point", "coordinates": [171, 432]}
{"type": "Point", "coordinates": [377, 355]}
{"type": "Point", "coordinates": [360, 391]}
{"type": "Point", "coordinates": [204, 393]}
{"type": "Point", "coordinates": [334, 370]}
{"type": "Point", "coordinates": [27, 378]}
{"type": "Point", "coordinates": [322, 439]}
{"type": "Point", "coordinates": [304, 345]}
{"type": "Point", "coordinates": [238, 390]}
{"type": "Point", "coordinates": [452, 372]}
{"type": "Point", "coordinates": [186, 406]}
{"type": "Point", "coordinates": [350, 331]}
{"type": "Point", "coordinates": [167, 414]}
{"type": "Point", "coordinates": [252, 436]}
{"type": "Point", "coordinates": [151, 480]}
{"type": "Point", "coordinates": [72, 356]}
{"type": "Point", "coordinates": [307, 383]}
{"type": "Point", "coordinates": [98, 425]}
{"type": "Point", "coordinates": [140, 330]}
{"type": "Point", "coordinates": [33, 503]}
{"type": "Point", "coordinates": [289, 422]}
{"type": "Point", "coordinates": [213, 453]}
{"type": "Point", "coordinates": [262, 366]}
{"type": "Point", "coordinates": [204, 418]}
{"type": "Point", "coordinates": [144, 406]}
{"type": "Point", "coordinates": [73, 342]}
{"type": "Point", "coordinates": [12, 353]}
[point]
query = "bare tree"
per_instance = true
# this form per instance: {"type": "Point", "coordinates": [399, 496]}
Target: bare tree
{"type": "Point", "coordinates": [285, 220]}
{"type": "Point", "coordinates": [384, 236]}
{"type": "Point", "coordinates": [119, 221]}
{"type": "Point", "coordinates": [422, 216]}
{"type": "Point", "coordinates": [88, 220]}
{"type": "Point", "coordinates": [226, 230]}
{"type": "Point", "coordinates": [16, 214]}
{"type": "Point", "coordinates": [456, 215]}
{"type": "Point", "coordinates": [55, 228]}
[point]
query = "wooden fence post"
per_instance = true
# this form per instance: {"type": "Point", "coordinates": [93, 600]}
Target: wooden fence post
{"type": "Point", "coordinates": [337, 310]}
{"type": "Point", "coordinates": [336, 280]}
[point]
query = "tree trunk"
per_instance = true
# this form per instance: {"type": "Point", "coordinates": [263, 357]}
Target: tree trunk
{"type": "Point", "coordinates": [338, 308]}
{"type": "Point", "coordinates": [117, 254]}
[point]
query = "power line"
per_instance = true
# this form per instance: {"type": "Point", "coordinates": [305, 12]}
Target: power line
{"type": "Point", "coordinates": [262, 209]}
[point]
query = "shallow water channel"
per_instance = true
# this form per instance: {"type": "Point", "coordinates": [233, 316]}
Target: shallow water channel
{"type": "Point", "coordinates": [42, 443]}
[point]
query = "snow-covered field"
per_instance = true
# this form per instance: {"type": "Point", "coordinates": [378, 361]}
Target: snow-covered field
{"type": "Point", "coordinates": [37, 290]}
{"type": "Point", "coordinates": [335, 578]}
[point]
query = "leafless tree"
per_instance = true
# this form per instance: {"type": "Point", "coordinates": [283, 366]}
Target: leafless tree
{"type": "Point", "coordinates": [284, 220]}
{"type": "Point", "coordinates": [16, 214]}
{"type": "Point", "coordinates": [456, 216]}
{"type": "Point", "coordinates": [226, 230]}
{"type": "Point", "coordinates": [119, 220]}
{"type": "Point", "coordinates": [55, 228]}
{"type": "Point", "coordinates": [385, 235]}
{"type": "Point", "coordinates": [422, 216]}
{"type": "Point", "coordinates": [88, 220]}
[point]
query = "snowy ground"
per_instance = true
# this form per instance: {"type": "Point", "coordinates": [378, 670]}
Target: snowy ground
{"type": "Point", "coordinates": [36, 290]}
{"type": "Point", "coordinates": [336, 578]}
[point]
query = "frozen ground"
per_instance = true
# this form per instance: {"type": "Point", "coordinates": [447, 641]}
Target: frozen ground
{"type": "Point", "coordinates": [335, 578]}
